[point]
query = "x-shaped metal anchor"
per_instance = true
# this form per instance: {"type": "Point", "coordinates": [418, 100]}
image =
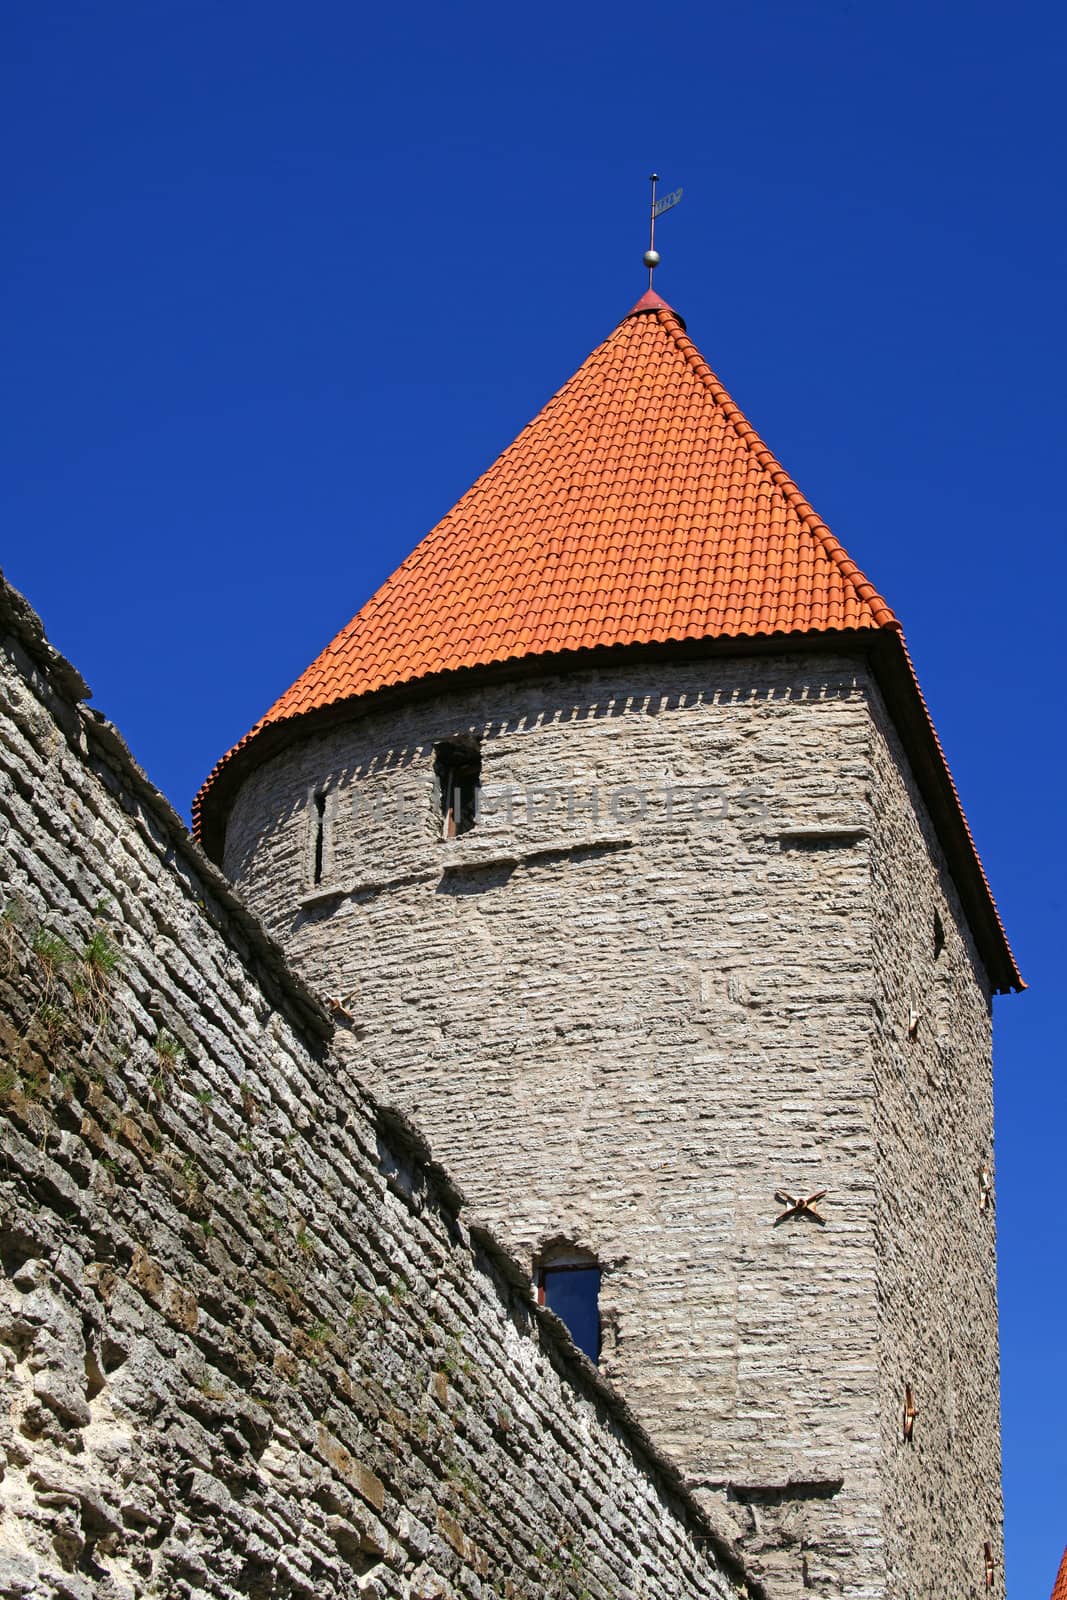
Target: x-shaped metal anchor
{"type": "Point", "coordinates": [797, 1206]}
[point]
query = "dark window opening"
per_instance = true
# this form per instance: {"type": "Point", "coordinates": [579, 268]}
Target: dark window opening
{"type": "Point", "coordinates": [570, 1286]}
{"type": "Point", "coordinates": [320, 834]}
{"type": "Point", "coordinates": [939, 935]}
{"type": "Point", "coordinates": [457, 774]}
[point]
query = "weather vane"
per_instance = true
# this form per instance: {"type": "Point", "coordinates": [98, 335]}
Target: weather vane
{"type": "Point", "coordinates": [651, 256]}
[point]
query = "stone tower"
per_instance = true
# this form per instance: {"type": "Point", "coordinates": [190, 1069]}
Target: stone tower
{"type": "Point", "coordinates": [618, 831]}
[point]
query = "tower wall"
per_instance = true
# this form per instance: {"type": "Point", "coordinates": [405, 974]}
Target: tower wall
{"type": "Point", "coordinates": [655, 984]}
{"type": "Point", "coordinates": [936, 1237]}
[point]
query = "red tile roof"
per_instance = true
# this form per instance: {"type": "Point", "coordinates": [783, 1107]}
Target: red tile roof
{"type": "Point", "coordinates": [1059, 1588]}
{"type": "Point", "coordinates": [638, 508]}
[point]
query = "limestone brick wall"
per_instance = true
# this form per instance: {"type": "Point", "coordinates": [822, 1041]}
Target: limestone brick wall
{"type": "Point", "coordinates": [251, 1343]}
{"type": "Point", "coordinates": [935, 1210]}
{"type": "Point", "coordinates": [624, 1028]}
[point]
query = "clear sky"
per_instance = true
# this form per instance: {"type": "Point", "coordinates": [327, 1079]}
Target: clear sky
{"type": "Point", "coordinates": [280, 280]}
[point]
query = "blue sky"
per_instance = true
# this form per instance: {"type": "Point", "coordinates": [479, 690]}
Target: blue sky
{"type": "Point", "coordinates": [279, 281]}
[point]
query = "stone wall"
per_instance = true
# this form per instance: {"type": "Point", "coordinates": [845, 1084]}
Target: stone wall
{"type": "Point", "coordinates": [251, 1342]}
{"type": "Point", "coordinates": [936, 1223]}
{"type": "Point", "coordinates": [647, 991]}
{"type": "Point", "coordinates": [632, 1030]}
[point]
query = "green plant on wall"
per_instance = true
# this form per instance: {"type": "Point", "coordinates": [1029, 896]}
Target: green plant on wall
{"type": "Point", "coordinates": [100, 958]}
{"type": "Point", "coordinates": [170, 1053]}
{"type": "Point", "coordinates": [51, 951]}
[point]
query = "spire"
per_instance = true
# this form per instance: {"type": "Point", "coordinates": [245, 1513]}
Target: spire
{"type": "Point", "coordinates": [651, 256]}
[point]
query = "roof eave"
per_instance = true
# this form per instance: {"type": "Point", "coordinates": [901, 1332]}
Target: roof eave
{"type": "Point", "coordinates": [895, 675]}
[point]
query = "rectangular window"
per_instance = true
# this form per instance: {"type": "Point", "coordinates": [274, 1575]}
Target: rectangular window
{"type": "Point", "coordinates": [573, 1293]}
{"type": "Point", "coordinates": [319, 841]}
{"type": "Point", "coordinates": [457, 775]}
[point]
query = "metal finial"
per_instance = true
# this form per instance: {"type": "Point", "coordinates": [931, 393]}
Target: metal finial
{"type": "Point", "coordinates": [651, 255]}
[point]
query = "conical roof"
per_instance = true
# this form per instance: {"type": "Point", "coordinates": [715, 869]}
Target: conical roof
{"type": "Point", "coordinates": [638, 509]}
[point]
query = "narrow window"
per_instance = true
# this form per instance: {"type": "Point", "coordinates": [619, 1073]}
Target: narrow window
{"type": "Point", "coordinates": [939, 935]}
{"type": "Point", "coordinates": [457, 775]}
{"type": "Point", "coordinates": [569, 1285]}
{"type": "Point", "coordinates": [320, 834]}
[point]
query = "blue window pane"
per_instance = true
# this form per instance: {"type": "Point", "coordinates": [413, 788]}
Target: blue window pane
{"type": "Point", "coordinates": [571, 1292]}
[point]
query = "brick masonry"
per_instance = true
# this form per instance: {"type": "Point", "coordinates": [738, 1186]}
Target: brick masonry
{"type": "Point", "coordinates": [625, 1025]}
{"type": "Point", "coordinates": [252, 1342]}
